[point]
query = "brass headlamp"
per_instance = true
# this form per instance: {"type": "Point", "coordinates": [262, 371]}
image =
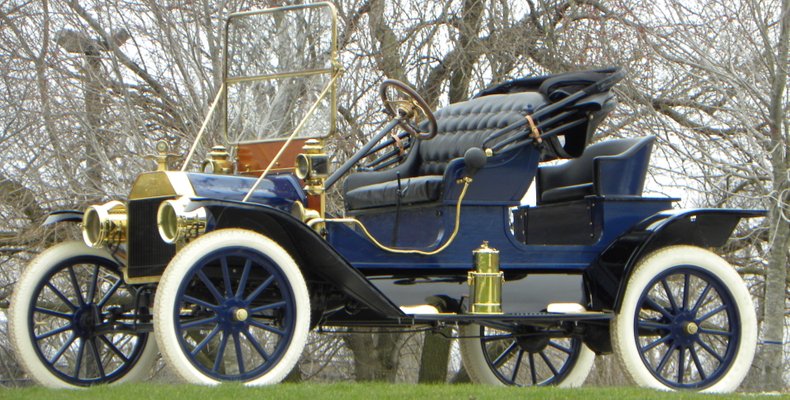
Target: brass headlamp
{"type": "Point", "coordinates": [104, 224]}
{"type": "Point", "coordinates": [312, 166]}
{"type": "Point", "coordinates": [176, 224]}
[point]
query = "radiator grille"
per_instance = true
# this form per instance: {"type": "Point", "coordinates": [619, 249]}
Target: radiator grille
{"type": "Point", "coordinates": [148, 253]}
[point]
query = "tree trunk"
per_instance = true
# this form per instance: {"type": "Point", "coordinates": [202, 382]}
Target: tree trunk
{"type": "Point", "coordinates": [434, 358]}
{"type": "Point", "coordinates": [771, 353]}
{"type": "Point", "coordinates": [375, 356]}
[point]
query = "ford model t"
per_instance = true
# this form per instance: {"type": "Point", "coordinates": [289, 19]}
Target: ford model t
{"type": "Point", "coordinates": [226, 271]}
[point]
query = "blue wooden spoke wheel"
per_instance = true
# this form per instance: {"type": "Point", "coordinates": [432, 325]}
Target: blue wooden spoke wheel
{"type": "Point", "coordinates": [71, 320]}
{"type": "Point", "coordinates": [499, 357]}
{"type": "Point", "coordinates": [686, 322]}
{"type": "Point", "coordinates": [232, 306]}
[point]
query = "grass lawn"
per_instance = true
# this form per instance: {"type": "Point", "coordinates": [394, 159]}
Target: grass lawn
{"type": "Point", "coordinates": [361, 391]}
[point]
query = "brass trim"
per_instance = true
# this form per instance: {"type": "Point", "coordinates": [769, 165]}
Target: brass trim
{"type": "Point", "coordinates": [485, 281]}
{"type": "Point", "coordinates": [316, 223]}
{"type": "Point", "coordinates": [282, 75]}
{"type": "Point", "coordinates": [334, 59]}
{"type": "Point", "coordinates": [298, 128]}
{"type": "Point", "coordinates": [139, 280]}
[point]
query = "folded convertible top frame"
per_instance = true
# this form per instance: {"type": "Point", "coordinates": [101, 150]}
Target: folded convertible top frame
{"type": "Point", "coordinates": [594, 88]}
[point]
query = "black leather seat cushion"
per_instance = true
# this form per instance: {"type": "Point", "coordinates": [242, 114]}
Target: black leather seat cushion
{"type": "Point", "coordinates": [413, 190]}
{"type": "Point", "coordinates": [461, 126]}
{"type": "Point", "coordinates": [571, 192]}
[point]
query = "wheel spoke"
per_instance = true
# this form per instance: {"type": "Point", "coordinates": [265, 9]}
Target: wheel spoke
{"type": "Point", "coordinates": [114, 348]}
{"type": "Point", "coordinates": [710, 350]}
{"type": "Point", "coordinates": [671, 298]}
{"type": "Point", "coordinates": [226, 277]}
{"type": "Point", "coordinates": [502, 357]}
{"type": "Point", "coordinates": [533, 373]}
{"type": "Point", "coordinates": [715, 332]}
{"type": "Point", "coordinates": [701, 298]}
{"type": "Point", "coordinates": [61, 296]}
{"type": "Point", "coordinates": [245, 275]}
{"type": "Point", "coordinates": [697, 363]}
{"type": "Point", "coordinates": [655, 343]}
{"type": "Point", "coordinates": [711, 313]}
{"type": "Point", "coordinates": [54, 332]}
{"type": "Point", "coordinates": [548, 363]}
{"type": "Point", "coordinates": [97, 358]}
{"type": "Point", "coordinates": [197, 322]}
{"type": "Point", "coordinates": [267, 327]}
{"type": "Point", "coordinates": [657, 307]}
{"type": "Point", "coordinates": [279, 304]}
{"type": "Point", "coordinates": [257, 292]}
{"type": "Point", "coordinates": [686, 280]}
{"type": "Point", "coordinates": [109, 293]}
{"type": "Point", "coordinates": [517, 366]}
{"type": "Point", "coordinates": [200, 346]}
{"type": "Point", "coordinates": [80, 353]}
{"type": "Point", "coordinates": [210, 286]}
{"type": "Point", "coordinates": [76, 285]}
{"type": "Point", "coordinates": [665, 359]}
{"type": "Point", "coordinates": [239, 355]}
{"type": "Point", "coordinates": [256, 345]}
{"type": "Point", "coordinates": [63, 348]}
{"type": "Point", "coordinates": [52, 313]}
{"type": "Point", "coordinates": [561, 348]}
{"type": "Point", "coordinates": [196, 301]}
{"type": "Point", "coordinates": [652, 325]}
{"type": "Point", "coordinates": [220, 352]}
{"type": "Point", "coordinates": [681, 362]}
{"type": "Point", "coordinates": [94, 282]}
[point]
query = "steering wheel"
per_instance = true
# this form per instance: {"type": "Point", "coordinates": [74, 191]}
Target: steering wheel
{"type": "Point", "coordinates": [407, 107]}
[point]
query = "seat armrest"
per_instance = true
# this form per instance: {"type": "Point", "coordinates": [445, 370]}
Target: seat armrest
{"type": "Point", "coordinates": [624, 173]}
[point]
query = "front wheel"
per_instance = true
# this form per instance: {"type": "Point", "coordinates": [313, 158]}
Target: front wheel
{"type": "Point", "coordinates": [496, 357]}
{"type": "Point", "coordinates": [72, 320]}
{"type": "Point", "coordinates": [232, 306]}
{"type": "Point", "coordinates": [686, 322]}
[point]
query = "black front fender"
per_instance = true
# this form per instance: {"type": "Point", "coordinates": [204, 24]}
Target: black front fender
{"type": "Point", "coordinates": [607, 277]}
{"type": "Point", "coordinates": [313, 254]}
{"type": "Point", "coordinates": [63, 216]}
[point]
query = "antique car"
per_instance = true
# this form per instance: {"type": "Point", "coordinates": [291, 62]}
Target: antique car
{"type": "Point", "coordinates": [228, 269]}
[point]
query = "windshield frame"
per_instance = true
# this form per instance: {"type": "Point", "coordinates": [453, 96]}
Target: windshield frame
{"type": "Point", "coordinates": [329, 90]}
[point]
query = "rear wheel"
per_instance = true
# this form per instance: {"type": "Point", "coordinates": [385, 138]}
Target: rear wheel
{"type": "Point", "coordinates": [72, 320]}
{"type": "Point", "coordinates": [498, 357]}
{"type": "Point", "coordinates": [687, 322]}
{"type": "Point", "coordinates": [232, 306]}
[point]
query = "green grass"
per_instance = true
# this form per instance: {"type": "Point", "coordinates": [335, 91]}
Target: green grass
{"type": "Point", "coordinates": [351, 391]}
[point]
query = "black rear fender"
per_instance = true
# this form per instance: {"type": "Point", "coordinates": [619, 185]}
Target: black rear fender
{"type": "Point", "coordinates": [317, 260]}
{"type": "Point", "coordinates": [707, 228]}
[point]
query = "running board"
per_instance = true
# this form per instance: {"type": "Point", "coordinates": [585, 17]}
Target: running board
{"type": "Point", "coordinates": [515, 318]}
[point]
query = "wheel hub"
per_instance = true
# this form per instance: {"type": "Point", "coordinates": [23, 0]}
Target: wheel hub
{"type": "Point", "coordinates": [533, 343]}
{"type": "Point", "coordinates": [240, 315]}
{"type": "Point", "coordinates": [691, 328]}
{"type": "Point", "coordinates": [85, 319]}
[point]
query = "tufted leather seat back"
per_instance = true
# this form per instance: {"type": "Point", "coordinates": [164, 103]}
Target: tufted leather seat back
{"type": "Point", "coordinates": [467, 124]}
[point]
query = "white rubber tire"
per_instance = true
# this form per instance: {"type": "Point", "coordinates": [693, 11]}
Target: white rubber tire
{"type": "Point", "coordinates": [622, 328]}
{"type": "Point", "coordinates": [20, 311]}
{"type": "Point", "coordinates": [480, 371]}
{"type": "Point", "coordinates": [177, 270]}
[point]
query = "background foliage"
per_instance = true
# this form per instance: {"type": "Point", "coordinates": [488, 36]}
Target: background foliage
{"type": "Point", "coordinates": [87, 87]}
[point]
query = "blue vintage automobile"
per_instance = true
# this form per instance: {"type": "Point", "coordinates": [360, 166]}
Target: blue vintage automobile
{"type": "Point", "coordinates": [226, 271]}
